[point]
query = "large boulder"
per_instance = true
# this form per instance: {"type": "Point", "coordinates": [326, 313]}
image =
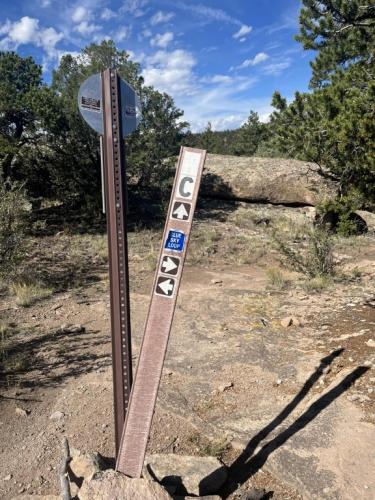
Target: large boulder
{"type": "Point", "coordinates": [111, 485]}
{"type": "Point", "coordinates": [270, 180]}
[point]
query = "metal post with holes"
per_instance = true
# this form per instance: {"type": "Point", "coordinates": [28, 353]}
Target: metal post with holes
{"type": "Point", "coordinates": [115, 189]}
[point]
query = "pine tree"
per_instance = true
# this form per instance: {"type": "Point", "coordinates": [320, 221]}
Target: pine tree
{"type": "Point", "coordinates": [342, 31]}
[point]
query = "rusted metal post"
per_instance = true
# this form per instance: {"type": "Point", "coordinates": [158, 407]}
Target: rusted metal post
{"type": "Point", "coordinates": [115, 189]}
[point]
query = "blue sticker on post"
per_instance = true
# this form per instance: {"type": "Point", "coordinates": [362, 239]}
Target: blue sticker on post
{"type": "Point", "coordinates": [175, 241]}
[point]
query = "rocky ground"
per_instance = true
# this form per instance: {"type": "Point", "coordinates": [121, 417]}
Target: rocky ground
{"type": "Point", "coordinates": [267, 370]}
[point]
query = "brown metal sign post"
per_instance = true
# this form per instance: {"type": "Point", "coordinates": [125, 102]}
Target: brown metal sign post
{"type": "Point", "coordinates": [164, 294]}
{"type": "Point", "coordinates": [111, 107]}
{"type": "Point", "coordinates": [115, 188]}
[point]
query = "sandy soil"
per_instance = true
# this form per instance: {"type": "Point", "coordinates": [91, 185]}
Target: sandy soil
{"type": "Point", "coordinates": [288, 409]}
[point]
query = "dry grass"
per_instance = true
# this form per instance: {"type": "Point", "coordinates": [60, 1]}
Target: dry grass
{"type": "Point", "coordinates": [276, 278]}
{"type": "Point", "coordinates": [28, 293]}
{"type": "Point", "coordinates": [317, 284]}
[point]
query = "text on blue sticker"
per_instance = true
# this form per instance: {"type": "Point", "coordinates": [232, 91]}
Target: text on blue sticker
{"type": "Point", "coordinates": [175, 241]}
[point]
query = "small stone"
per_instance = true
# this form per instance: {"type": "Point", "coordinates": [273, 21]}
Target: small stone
{"type": "Point", "coordinates": [290, 321]}
{"type": "Point", "coordinates": [279, 381]}
{"type": "Point", "coordinates": [21, 412]}
{"type": "Point", "coordinates": [86, 465]}
{"type": "Point", "coordinates": [8, 477]}
{"type": "Point", "coordinates": [352, 397]}
{"type": "Point", "coordinates": [371, 343]}
{"type": "Point", "coordinates": [71, 329]}
{"type": "Point", "coordinates": [255, 494]}
{"type": "Point", "coordinates": [57, 415]}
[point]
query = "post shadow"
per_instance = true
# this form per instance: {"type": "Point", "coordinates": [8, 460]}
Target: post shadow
{"type": "Point", "coordinates": [246, 465]}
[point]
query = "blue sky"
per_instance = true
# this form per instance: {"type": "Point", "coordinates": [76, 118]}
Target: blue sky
{"type": "Point", "coordinates": [218, 59]}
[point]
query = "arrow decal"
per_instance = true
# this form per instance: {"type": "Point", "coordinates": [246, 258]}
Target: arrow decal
{"type": "Point", "coordinates": [169, 265]}
{"type": "Point", "coordinates": [181, 210]}
{"type": "Point", "coordinates": [165, 287]}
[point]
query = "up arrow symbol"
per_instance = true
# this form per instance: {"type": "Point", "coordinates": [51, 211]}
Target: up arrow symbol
{"type": "Point", "coordinates": [166, 286]}
{"type": "Point", "coordinates": [168, 265]}
{"type": "Point", "coordinates": [181, 212]}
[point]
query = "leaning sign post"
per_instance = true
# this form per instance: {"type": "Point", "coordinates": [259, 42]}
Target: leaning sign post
{"type": "Point", "coordinates": [159, 320]}
{"type": "Point", "coordinates": [111, 107]}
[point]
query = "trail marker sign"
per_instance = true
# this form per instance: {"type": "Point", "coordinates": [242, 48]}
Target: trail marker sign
{"type": "Point", "coordinates": [160, 315]}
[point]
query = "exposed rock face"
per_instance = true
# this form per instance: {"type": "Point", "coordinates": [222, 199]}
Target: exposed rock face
{"type": "Point", "coordinates": [369, 219]}
{"type": "Point", "coordinates": [111, 485]}
{"type": "Point", "coordinates": [269, 180]}
{"type": "Point", "coordinates": [86, 465]}
{"type": "Point", "coordinates": [187, 474]}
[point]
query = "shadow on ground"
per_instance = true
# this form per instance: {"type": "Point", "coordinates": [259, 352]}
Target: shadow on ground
{"type": "Point", "coordinates": [54, 358]}
{"type": "Point", "coordinates": [248, 463]}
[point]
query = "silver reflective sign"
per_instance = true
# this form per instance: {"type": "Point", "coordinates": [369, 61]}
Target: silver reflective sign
{"type": "Point", "coordinates": [130, 108]}
{"type": "Point", "coordinates": [90, 104]}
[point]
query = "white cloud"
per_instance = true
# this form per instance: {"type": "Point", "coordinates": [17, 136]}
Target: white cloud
{"type": "Point", "coordinates": [107, 14]}
{"type": "Point", "coordinates": [4, 29]}
{"type": "Point", "coordinates": [24, 31]}
{"type": "Point", "coordinates": [161, 17]}
{"type": "Point", "coordinates": [121, 34]}
{"type": "Point", "coordinates": [260, 57]}
{"type": "Point", "coordinates": [79, 14]}
{"type": "Point", "coordinates": [86, 29]}
{"type": "Point", "coordinates": [45, 3]}
{"type": "Point", "coordinates": [208, 13]}
{"type": "Point", "coordinates": [162, 40]}
{"type": "Point", "coordinates": [134, 7]}
{"type": "Point", "coordinates": [27, 31]}
{"type": "Point", "coordinates": [221, 79]}
{"type": "Point", "coordinates": [276, 68]}
{"type": "Point", "coordinates": [242, 32]}
{"type": "Point", "coordinates": [171, 72]}
{"type": "Point", "coordinates": [146, 33]}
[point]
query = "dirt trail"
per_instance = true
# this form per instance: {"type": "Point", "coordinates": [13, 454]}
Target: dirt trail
{"type": "Point", "coordinates": [292, 408]}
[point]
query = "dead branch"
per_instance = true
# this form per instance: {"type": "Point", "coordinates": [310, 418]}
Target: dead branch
{"type": "Point", "coordinates": [63, 472]}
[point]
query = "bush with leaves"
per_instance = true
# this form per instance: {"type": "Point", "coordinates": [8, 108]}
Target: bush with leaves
{"type": "Point", "coordinates": [14, 208]}
{"type": "Point", "coordinates": [314, 256]}
{"type": "Point", "coordinates": [339, 214]}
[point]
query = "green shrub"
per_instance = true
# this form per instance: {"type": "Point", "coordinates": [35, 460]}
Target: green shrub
{"type": "Point", "coordinates": [314, 254]}
{"type": "Point", "coordinates": [339, 214]}
{"type": "Point", "coordinates": [14, 209]}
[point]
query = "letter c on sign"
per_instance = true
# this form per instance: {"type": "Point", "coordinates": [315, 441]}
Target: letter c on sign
{"type": "Point", "coordinates": [186, 193]}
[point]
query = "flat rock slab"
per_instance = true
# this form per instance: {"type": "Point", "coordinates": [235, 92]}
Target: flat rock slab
{"type": "Point", "coordinates": [272, 180]}
{"type": "Point", "coordinates": [111, 485]}
{"type": "Point", "coordinates": [190, 475]}
{"type": "Point", "coordinates": [318, 443]}
{"type": "Point", "coordinates": [37, 497]}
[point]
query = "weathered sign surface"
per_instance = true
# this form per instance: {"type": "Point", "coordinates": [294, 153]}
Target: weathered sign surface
{"type": "Point", "coordinates": [163, 301]}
